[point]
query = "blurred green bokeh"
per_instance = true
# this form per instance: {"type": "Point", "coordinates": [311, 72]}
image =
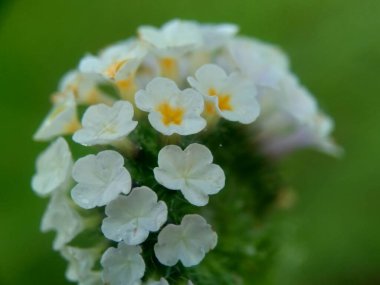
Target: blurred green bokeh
{"type": "Point", "coordinates": [332, 234]}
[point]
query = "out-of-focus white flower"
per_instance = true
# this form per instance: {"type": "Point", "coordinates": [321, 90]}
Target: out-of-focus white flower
{"type": "Point", "coordinates": [187, 242]}
{"type": "Point", "coordinates": [173, 38]}
{"type": "Point", "coordinates": [170, 109]}
{"type": "Point", "coordinates": [234, 96]}
{"type": "Point", "coordinates": [61, 120]}
{"type": "Point", "coordinates": [123, 265]}
{"type": "Point", "coordinates": [85, 87]}
{"type": "Point", "coordinates": [53, 168]}
{"type": "Point", "coordinates": [262, 63]}
{"type": "Point", "coordinates": [215, 36]}
{"type": "Point", "coordinates": [191, 171]}
{"type": "Point", "coordinates": [81, 262]}
{"type": "Point", "coordinates": [100, 178]}
{"type": "Point", "coordinates": [103, 124]}
{"type": "Point", "coordinates": [63, 218]}
{"type": "Point", "coordinates": [117, 62]}
{"type": "Point", "coordinates": [162, 281]}
{"type": "Point", "coordinates": [131, 218]}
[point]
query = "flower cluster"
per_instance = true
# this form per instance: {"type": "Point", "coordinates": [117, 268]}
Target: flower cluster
{"type": "Point", "coordinates": [151, 105]}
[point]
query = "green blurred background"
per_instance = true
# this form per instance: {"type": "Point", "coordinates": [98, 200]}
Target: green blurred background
{"type": "Point", "coordinates": [332, 234]}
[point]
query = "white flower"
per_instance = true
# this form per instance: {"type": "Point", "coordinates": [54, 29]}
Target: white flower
{"type": "Point", "coordinates": [234, 96]}
{"type": "Point", "coordinates": [262, 63]}
{"type": "Point", "coordinates": [100, 178]}
{"type": "Point", "coordinates": [123, 265]}
{"type": "Point", "coordinates": [63, 218]}
{"type": "Point", "coordinates": [174, 38]}
{"type": "Point", "coordinates": [61, 120]}
{"type": "Point", "coordinates": [103, 124]}
{"type": "Point", "coordinates": [190, 171]}
{"type": "Point", "coordinates": [53, 168]}
{"type": "Point", "coordinates": [215, 36]}
{"type": "Point", "coordinates": [162, 281]}
{"type": "Point", "coordinates": [85, 87]}
{"type": "Point", "coordinates": [170, 109]}
{"type": "Point", "coordinates": [116, 62]}
{"type": "Point", "coordinates": [131, 218]}
{"type": "Point", "coordinates": [81, 261]}
{"type": "Point", "coordinates": [187, 242]}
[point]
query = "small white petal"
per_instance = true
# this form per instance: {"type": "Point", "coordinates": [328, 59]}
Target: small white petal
{"type": "Point", "coordinates": [170, 109]}
{"type": "Point", "coordinates": [162, 281]}
{"type": "Point", "coordinates": [53, 168]}
{"type": "Point", "coordinates": [61, 120]}
{"type": "Point", "coordinates": [123, 265]}
{"type": "Point", "coordinates": [103, 124]}
{"type": "Point", "coordinates": [100, 178]}
{"type": "Point", "coordinates": [131, 218]}
{"type": "Point", "coordinates": [191, 171]}
{"type": "Point", "coordinates": [188, 242]}
{"type": "Point", "coordinates": [61, 217]}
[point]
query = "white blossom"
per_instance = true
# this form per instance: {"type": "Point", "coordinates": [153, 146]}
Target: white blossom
{"type": "Point", "coordinates": [170, 109]}
{"type": "Point", "coordinates": [63, 218]}
{"type": "Point", "coordinates": [187, 242]}
{"type": "Point", "coordinates": [81, 262]}
{"type": "Point", "coordinates": [61, 120]}
{"type": "Point", "coordinates": [100, 178]}
{"type": "Point", "coordinates": [117, 62]}
{"type": "Point", "coordinates": [217, 35]}
{"type": "Point", "coordinates": [191, 171]}
{"type": "Point", "coordinates": [131, 218]}
{"type": "Point", "coordinates": [233, 95]}
{"type": "Point", "coordinates": [53, 168]}
{"type": "Point", "coordinates": [174, 38]}
{"type": "Point", "coordinates": [162, 281]}
{"type": "Point", "coordinates": [123, 265]}
{"type": "Point", "coordinates": [103, 124]}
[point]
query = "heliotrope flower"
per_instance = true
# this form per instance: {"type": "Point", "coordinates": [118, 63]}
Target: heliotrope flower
{"type": "Point", "coordinates": [188, 242]}
{"type": "Point", "coordinates": [191, 171]}
{"type": "Point", "coordinates": [100, 179]}
{"type": "Point", "coordinates": [158, 110]}
{"type": "Point", "coordinates": [53, 168]}
{"type": "Point", "coordinates": [61, 217]}
{"type": "Point", "coordinates": [123, 265]}
{"type": "Point", "coordinates": [61, 120]}
{"type": "Point", "coordinates": [102, 124]}
{"type": "Point", "coordinates": [131, 218]}
{"type": "Point", "coordinates": [170, 109]}
{"type": "Point", "coordinates": [233, 95]}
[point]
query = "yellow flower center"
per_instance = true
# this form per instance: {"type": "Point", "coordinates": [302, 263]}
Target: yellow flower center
{"type": "Point", "coordinates": [171, 115]}
{"type": "Point", "coordinates": [114, 68]}
{"type": "Point", "coordinates": [224, 100]}
{"type": "Point", "coordinates": [169, 67]}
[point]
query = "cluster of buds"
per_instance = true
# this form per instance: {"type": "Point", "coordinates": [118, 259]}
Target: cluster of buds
{"type": "Point", "coordinates": [132, 209]}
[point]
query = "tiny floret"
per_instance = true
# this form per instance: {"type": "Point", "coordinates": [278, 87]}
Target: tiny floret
{"type": "Point", "coordinates": [170, 109]}
{"type": "Point", "coordinates": [188, 242]}
{"type": "Point", "coordinates": [101, 178]}
{"type": "Point", "coordinates": [131, 218]}
{"type": "Point", "coordinates": [123, 265]}
{"type": "Point", "coordinates": [191, 171]}
{"type": "Point", "coordinates": [53, 168]}
{"type": "Point", "coordinates": [103, 124]}
{"type": "Point", "coordinates": [233, 95]}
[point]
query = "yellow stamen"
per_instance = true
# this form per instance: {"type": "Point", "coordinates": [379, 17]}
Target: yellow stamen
{"type": "Point", "coordinates": [209, 108]}
{"type": "Point", "coordinates": [224, 102]}
{"type": "Point", "coordinates": [114, 68]}
{"type": "Point", "coordinates": [72, 127]}
{"type": "Point", "coordinates": [169, 67]}
{"type": "Point", "coordinates": [212, 92]}
{"type": "Point", "coordinates": [171, 115]}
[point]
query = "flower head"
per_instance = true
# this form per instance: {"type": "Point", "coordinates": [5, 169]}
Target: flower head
{"type": "Point", "coordinates": [131, 218]}
{"type": "Point", "coordinates": [63, 218]}
{"type": "Point", "coordinates": [53, 168]}
{"type": "Point", "coordinates": [234, 96]}
{"type": "Point", "coordinates": [123, 265]}
{"type": "Point", "coordinates": [170, 109]}
{"type": "Point", "coordinates": [100, 178]}
{"type": "Point", "coordinates": [103, 124]}
{"type": "Point", "coordinates": [61, 120]}
{"type": "Point", "coordinates": [187, 242]}
{"type": "Point", "coordinates": [191, 171]}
